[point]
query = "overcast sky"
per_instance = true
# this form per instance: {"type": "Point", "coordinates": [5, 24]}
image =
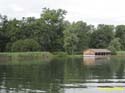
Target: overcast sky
{"type": "Point", "coordinates": [91, 11]}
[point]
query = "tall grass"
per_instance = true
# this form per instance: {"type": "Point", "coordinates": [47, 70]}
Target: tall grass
{"type": "Point", "coordinates": [16, 57]}
{"type": "Point", "coordinates": [121, 53]}
{"type": "Point", "coordinates": [25, 53]}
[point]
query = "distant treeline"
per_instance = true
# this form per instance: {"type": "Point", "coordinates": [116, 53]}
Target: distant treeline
{"type": "Point", "coordinates": [51, 32]}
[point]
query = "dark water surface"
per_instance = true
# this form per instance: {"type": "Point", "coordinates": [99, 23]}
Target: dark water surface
{"type": "Point", "coordinates": [62, 75]}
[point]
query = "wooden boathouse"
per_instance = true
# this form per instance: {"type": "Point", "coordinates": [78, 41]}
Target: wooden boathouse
{"type": "Point", "coordinates": [96, 52]}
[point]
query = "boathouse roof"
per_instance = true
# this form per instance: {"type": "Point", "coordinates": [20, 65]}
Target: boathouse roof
{"type": "Point", "coordinates": [99, 50]}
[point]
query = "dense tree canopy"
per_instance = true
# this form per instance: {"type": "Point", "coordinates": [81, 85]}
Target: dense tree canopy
{"type": "Point", "coordinates": [115, 45]}
{"type": "Point", "coordinates": [25, 45]}
{"type": "Point", "coordinates": [120, 33]}
{"type": "Point", "coordinates": [51, 26]}
{"type": "Point", "coordinates": [102, 36]}
{"type": "Point", "coordinates": [76, 37]}
{"type": "Point", "coordinates": [51, 32]}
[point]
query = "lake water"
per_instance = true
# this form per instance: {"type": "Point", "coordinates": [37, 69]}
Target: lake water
{"type": "Point", "coordinates": [62, 75]}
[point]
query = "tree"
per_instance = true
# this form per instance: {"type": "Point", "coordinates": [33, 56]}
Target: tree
{"type": "Point", "coordinates": [83, 32]}
{"type": "Point", "coordinates": [76, 37]}
{"type": "Point", "coordinates": [70, 40]}
{"type": "Point", "coordinates": [120, 33]}
{"type": "Point", "coordinates": [25, 45]}
{"type": "Point", "coordinates": [102, 36]}
{"type": "Point", "coordinates": [3, 41]}
{"type": "Point", "coordinates": [3, 36]}
{"type": "Point", "coordinates": [115, 45]}
{"type": "Point", "coordinates": [51, 26]}
{"type": "Point", "coordinates": [28, 27]}
{"type": "Point", "coordinates": [52, 32]}
{"type": "Point", "coordinates": [12, 32]}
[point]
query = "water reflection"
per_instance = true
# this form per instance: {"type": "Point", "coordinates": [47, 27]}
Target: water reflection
{"type": "Point", "coordinates": [61, 75]}
{"type": "Point", "coordinates": [96, 60]}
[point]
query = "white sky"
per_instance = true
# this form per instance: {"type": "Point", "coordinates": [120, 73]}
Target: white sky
{"type": "Point", "coordinates": [91, 11]}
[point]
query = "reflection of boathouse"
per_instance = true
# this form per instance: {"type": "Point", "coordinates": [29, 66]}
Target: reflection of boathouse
{"type": "Point", "coordinates": [96, 60]}
{"type": "Point", "coordinates": [97, 52]}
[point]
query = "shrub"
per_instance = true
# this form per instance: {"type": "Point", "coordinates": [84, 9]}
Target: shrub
{"type": "Point", "coordinates": [25, 45]}
{"type": "Point", "coordinates": [115, 45]}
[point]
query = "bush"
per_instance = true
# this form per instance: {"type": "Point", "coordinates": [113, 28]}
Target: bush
{"type": "Point", "coordinates": [25, 45]}
{"type": "Point", "coordinates": [112, 49]}
{"type": "Point", "coordinates": [115, 45]}
{"type": "Point", "coordinates": [60, 54]}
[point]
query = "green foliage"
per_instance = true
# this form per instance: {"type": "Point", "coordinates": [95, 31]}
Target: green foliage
{"type": "Point", "coordinates": [115, 45]}
{"type": "Point", "coordinates": [51, 32]}
{"type": "Point", "coordinates": [70, 39]}
{"type": "Point", "coordinates": [46, 30]}
{"type": "Point", "coordinates": [70, 42]}
{"type": "Point", "coordinates": [102, 36]}
{"type": "Point", "coordinates": [76, 37]}
{"type": "Point", "coordinates": [112, 49]}
{"type": "Point", "coordinates": [3, 37]}
{"type": "Point", "coordinates": [83, 33]}
{"type": "Point", "coordinates": [25, 45]}
{"type": "Point", "coordinates": [3, 41]}
{"type": "Point", "coordinates": [26, 57]}
{"type": "Point", "coordinates": [60, 54]}
{"type": "Point", "coordinates": [122, 53]}
{"type": "Point", "coordinates": [120, 33]}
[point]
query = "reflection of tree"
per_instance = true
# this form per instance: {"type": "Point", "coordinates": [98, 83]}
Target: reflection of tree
{"type": "Point", "coordinates": [102, 71]}
{"type": "Point", "coordinates": [120, 72]}
{"type": "Point", "coordinates": [49, 75]}
{"type": "Point", "coordinates": [74, 70]}
{"type": "Point", "coordinates": [104, 68]}
{"type": "Point", "coordinates": [117, 66]}
{"type": "Point", "coordinates": [42, 76]}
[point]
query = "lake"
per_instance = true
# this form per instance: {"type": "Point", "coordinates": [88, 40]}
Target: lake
{"type": "Point", "coordinates": [62, 75]}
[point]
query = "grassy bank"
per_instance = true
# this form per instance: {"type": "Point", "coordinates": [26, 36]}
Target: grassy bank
{"type": "Point", "coordinates": [41, 55]}
{"type": "Point", "coordinates": [64, 54]}
{"type": "Point", "coordinates": [20, 56]}
{"type": "Point", "coordinates": [26, 53]}
{"type": "Point", "coordinates": [121, 53]}
{"type": "Point", "coordinates": [32, 57]}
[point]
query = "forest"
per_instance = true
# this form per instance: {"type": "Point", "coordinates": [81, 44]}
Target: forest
{"type": "Point", "coordinates": [51, 32]}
